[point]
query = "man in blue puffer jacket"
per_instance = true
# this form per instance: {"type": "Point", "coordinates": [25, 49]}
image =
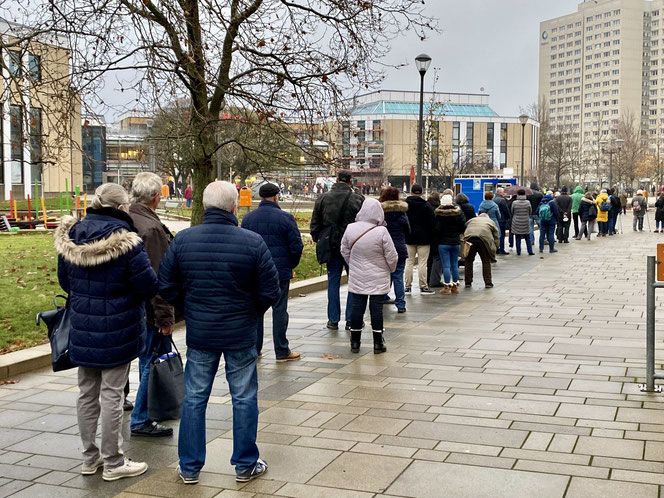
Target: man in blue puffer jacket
{"type": "Point", "coordinates": [279, 231]}
{"type": "Point", "coordinates": [226, 279]}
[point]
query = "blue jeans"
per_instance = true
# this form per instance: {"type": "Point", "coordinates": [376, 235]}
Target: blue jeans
{"type": "Point", "coordinates": [529, 246]}
{"type": "Point", "coordinates": [449, 257]}
{"type": "Point", "coordinates": [279, 324]}
{"type": "Point", "coordinates": [396, 277]}
{"type": "Point", "coordinates": [547, 229]}
{"type": "Point", "coordinates": [139, 415]}
{"type": "Point", "coordinates": [503, 231]}
{"type": "Point", "coordinates": [189, 202]}
{"type": "Point", "coordinates": [334, 267]}
{"type": "Point", "coordinates": [533, 219]}
{"type": "Point", "coordinates": [242, 378]}
{"type": "Point", "coordinates": [612, 224]}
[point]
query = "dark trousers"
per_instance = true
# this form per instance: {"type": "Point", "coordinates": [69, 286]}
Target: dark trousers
{"type": "Point", "coordinates": [434, 267]}
{"type": "Point", "coordinates": [576, 217]}
{"type": "Point", "coordinates": [503, 230]}
{"type": "Point", "coordinates": [477, 247]}
{"type": "Point", "coordinates": [612, 224]}
{"type": "Point", "coordinates": [563, 230]}
{"type": "Point", "coordinates": [279, 324]}
{"type": "Point", "coordinates": [624, 209]}
{"type": "Point", "coordinates": [375, 310]}
{"type": "Point", "coordinates": [529, 246]}
{"type": "Point", "coordinates": [603, 227]}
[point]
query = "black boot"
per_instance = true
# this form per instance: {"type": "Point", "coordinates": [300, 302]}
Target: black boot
{"type": "Point", "coordinates": [355, 337]}
{"type": "Point", "coordinates": [379, 342]}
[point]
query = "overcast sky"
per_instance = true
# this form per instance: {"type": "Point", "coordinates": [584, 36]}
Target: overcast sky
{"type": "Point", "coordinates": [490, 44]}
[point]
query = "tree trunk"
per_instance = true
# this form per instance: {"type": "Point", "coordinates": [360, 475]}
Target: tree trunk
{"type": "Point", "coordinates": [204, 173]}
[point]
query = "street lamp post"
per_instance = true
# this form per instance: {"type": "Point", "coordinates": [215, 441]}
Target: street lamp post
{"type": "Point", "coordinates": [610, 151]}
{"type": "Point", "coordinates": [422, 62]}
{"type": "Point", "coordinates": [523, 119]}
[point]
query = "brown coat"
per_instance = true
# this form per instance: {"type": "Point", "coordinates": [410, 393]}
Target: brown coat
{"type": "Point", "coordinates": [156, 238]}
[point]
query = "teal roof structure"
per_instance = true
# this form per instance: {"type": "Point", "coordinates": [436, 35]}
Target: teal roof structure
{"type": "Point", "coordinates": [413, 108]}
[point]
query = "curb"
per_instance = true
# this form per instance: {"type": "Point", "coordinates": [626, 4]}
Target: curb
{"type": "Point", "coordinates": [37, 357]}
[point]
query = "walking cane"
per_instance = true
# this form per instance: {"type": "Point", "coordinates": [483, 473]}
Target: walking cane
{"type": "Point", "coordinates": [620, 216]}
{"type": "Point", "coordinates": [648, 220]}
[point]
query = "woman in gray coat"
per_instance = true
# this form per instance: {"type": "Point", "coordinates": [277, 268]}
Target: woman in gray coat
{"type": "Point", "coordinates": [521, 211]}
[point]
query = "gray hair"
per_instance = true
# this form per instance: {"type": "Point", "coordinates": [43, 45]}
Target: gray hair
{"type": "Point", "coordinates": [109, 195]}
{"type": "Point", "coordinates": [220, 195]}
{"type": "Point", "coordinates": [145, 186]}
{"type": "Point", "coordinates": [500, 190]}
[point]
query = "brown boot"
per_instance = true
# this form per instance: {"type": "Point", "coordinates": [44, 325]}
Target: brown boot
{"type": "Point", "coordinates": [447, 289]}
{"type": "Point", "coordinates": [455, 288]}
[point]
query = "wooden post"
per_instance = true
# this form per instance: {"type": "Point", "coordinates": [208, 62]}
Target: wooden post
{"type": "Point", "coordinates": [35, 198]}
{"type": "Point", "coordinates": [15, 211]}
{"type": "Point", "coordinates": [44, 212]}
{"type": "Point", "coordinates": [30, 210]}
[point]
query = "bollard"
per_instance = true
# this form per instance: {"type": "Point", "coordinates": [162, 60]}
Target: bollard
{"type": "Point", "coordinates": [652, 286]}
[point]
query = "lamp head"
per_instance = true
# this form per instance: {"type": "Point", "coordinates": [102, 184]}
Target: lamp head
{"type": "Point", "coordinates": [523, 119]}
{"type": "Point", "coordinates": [422, 62]}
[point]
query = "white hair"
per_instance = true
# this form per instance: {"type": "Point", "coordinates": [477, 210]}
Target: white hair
{"type": "Point", "coordinates": [145, 186]}
{"type": "Point", "coordinates": [220, 195]}
{"type": "Point", "coordinates": [500, 190]}
{"type": "Point", "coordinates": [109, 195]}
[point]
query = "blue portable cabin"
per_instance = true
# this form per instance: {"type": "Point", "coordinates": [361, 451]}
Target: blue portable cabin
{"type": "Point", "coordinates": [474, 186]}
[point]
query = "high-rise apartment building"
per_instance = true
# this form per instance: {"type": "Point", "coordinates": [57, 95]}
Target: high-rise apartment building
{"type": "Point", "coordinates": [601, 63]}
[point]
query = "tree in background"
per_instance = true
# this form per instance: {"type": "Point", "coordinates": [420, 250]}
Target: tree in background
{"type": "Point", "coordinates": [631, 159]}
{"type": "Point", "coordinates": [281, 60]}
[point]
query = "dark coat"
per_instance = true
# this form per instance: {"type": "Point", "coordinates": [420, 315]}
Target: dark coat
{"type": "Point", "coordinates": [397, 225]}
{"type": "Point", "coordinates": [450, 225]}
{"type": "Point", "coordinates": [535, 198]}
{"type": "Point", "coordinates": [156, 238]}
{"type": "Point", "coordinates": [103, 266]}
{"type": "Point", "coordinates": [225, 278]}
{"type": "Point", "coordinates": [281, 234]}
{"type": "Point", "coordinates": [564, 204]}
{"type": "Point", "coordinates": [505, 214]}
{"type": "Point", "coordinates": [328, 209]}
{"type": "Point", "coordinates": [468, 210]}
{"type": "Point", "coordinates": [659, 209]}
{"type": "Point", "coordinates": [422, 221]}
{"type": "Point", "coordinates": [616, 207]}
{"type": "Point", "coordinates": [584, 206]}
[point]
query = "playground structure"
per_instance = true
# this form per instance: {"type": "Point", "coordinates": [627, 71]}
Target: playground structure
{"type": "Point", "coordinates": [27, 219]}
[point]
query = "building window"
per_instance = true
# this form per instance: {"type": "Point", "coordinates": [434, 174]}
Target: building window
{"type": "Point", "coordinates": [489, 143]}
{"type": "Point", "coordinates": [455, 143]}
{"type": "Point", "coordinates": [503, 145]}
{"type": "Point", "coordinates": [15, 66]}
{"type": "Point", "coordinates": [16, 143]}
{"type": "Point", "coordinates": [34, 67]}
{"type": "Point", "coordinates": [35, 145]}
{"type": "Point", "coordinates": [470, 128]}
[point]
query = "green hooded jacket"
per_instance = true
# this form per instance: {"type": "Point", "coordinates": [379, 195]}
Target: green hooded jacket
{"type": "Point", "coordinates": [576, 198]}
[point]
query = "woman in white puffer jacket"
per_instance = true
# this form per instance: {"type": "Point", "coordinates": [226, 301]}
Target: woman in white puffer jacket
{"type": "Point", "coordinates": [369, 251]}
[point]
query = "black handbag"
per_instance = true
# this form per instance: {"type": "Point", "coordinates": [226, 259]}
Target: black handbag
{"type": "Point", "coordinates": [166, 385]}
{"type": "Point", "coordinates": [329, 240]}
{"type": "Point", "coordinates": [59, 325]}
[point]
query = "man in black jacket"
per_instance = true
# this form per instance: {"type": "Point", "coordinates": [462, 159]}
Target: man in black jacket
{"type": "Point", "coordinates": [564, 204]}
{"type": "Point", "coordinates": [505, 216]}
{"type": "Point", "coordinates": [337, 207]}
{"type": "Point", "coordinates": [418, 243]}
{"type": "Point", "coordinates": [535, 199]}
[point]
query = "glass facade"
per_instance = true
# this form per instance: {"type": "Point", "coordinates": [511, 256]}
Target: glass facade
{"type": "Point", "coordinates": [94, 156]}
{"type": "Point", "coordinates": [16, 143]}
{"type": "Point", "coordinates": [503, 145]}
{"type": "Point", "coordinates": [470, 152]}
{"type": "Point", "coordinates": [489, 143]}
{"type": "Point", "coordinates": [36, 165]}
{"type": "Point", "coordinates": [456, 127]}
{"type": "Point", "coordinates": [34, 67]}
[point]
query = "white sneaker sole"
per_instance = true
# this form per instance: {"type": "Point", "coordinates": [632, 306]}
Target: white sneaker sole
{"type": "Point", "coordinates": [93, 470]}
{"type": "Point", "coordinates": [122, 476]}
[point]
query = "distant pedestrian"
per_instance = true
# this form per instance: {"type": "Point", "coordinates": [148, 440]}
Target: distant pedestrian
{"type": "Point", "coordinates": [282, 237]}
{"type": "Point", "coordinates": [418, 243]}
{"type": "Point", "coordinates": [171, 187]}
{"type": "Point", "coordinates": [548, 216]}
{"type": "Point", "coordinates": [103, 267]}
{"type": "Point", "coordinates": [333, 212]}
{"type": "Point", "coordinates": [225, 278]}
{"type": "Point", "coordinates": [369, 251]}
{"type": "Point", "coordinates": [484, 237]}
{"type": "Point", "coordinates": [434, 267]}
{"type": "Point", "coordinates": [505, 215]}
{"type": "Point", "coordinates": [189, 195]}
{"type": "Point", "coordinates": [399, 228]}
{"type": "Point", "coordinates": [623, 201]}
{"type": "Point", "coordinates": [535, 199]}
{"type": "Point", "coordinates": [588, 213]}
{"type": "Point", "coordinates": [576, 201]}
{"type": "Point", "coordinates": [466, 207]}
{"type": "Point", "coordinates": [521, 212]}
{"type": "Point", "coordinates": [450, 225]}
{"type": "Point", "coordinates": [639, 208]}
{"type": "Point", "coordinates": [603, 209]}
{"type": "Point", "coordinates": [564, 204]}
{"type": "Point", "coordinates": [160, 315]}
{"type": "Point", "coordinates": [614, 212]}
{"type": "Point", "coordinates": [659, 213]}
{"type": "Point", "coordinates": [489, 207]}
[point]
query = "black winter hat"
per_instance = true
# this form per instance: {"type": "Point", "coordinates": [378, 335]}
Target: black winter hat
{"type": "Point", "coordinates": [268, 190]}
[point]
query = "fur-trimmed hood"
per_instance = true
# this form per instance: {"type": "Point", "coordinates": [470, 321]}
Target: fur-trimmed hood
{"type": "Point", "coordinates": [93, 248]}
{"type": "Point", "coordinates": [394, 206]}
{"type": "Point", "coordinates": [449, 210]}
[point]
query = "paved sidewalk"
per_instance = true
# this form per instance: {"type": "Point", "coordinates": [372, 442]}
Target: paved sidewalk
{"type": "Point", "coordinates": [529, 388]}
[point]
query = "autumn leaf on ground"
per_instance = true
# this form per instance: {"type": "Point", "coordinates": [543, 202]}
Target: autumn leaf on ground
{"type": "Point", "coordinates": [330, 356]}
{"type": "Point", "coordinates": [8, 381]}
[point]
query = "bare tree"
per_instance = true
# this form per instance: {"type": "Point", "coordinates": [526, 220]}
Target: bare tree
{"type": "Point", "coordinates": [279, 59]}
{"type": "Point", "coordinates": [634, 147]}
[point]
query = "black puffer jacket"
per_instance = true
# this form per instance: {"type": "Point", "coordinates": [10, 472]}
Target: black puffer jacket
{"type": "Point", "coordinates": [564, 203]}
{"type": "Point", "coordinates": [450, 225]}
{"type": "Point", "coordinates": [327, 209]}
{"type": "Point", "coordinates": [535, 198]}
{"type": "Point", "coordinates": [422, 221]}
{"type": "Point", "coordinates": [467, 208]}
{"type": "Point", "coordinates": [397, 225]}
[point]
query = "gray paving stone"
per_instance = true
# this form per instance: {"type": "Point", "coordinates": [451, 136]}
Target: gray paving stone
{"type": "Point", "coordinates": [465, 434]}
{"type": "Point", "coordinates": [8, 437]}
{"type": "Point", "coordinates": [13, 418]}
{"type": "Point", "coordinates": [581, 487]}
{"type": "Point", "coordinates": [586, 411]}
{"type": "Point", "coordinates": [429, 478]}
{"type": "Point", "coordinates": [621, 448]}
{"type": "Point", "coordinates": [46, 443]}
{"type": "Point", "coordinates": [503, 405]}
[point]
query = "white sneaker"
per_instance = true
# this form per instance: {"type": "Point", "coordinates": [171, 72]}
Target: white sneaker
{"type": "Point", "coordinates": [127, 469]}
{"type": "Point", "coordinates": [88, 470]}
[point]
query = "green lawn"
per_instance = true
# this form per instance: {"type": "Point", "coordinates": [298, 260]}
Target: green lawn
{"type": "Point", "coordinates": [28, 282]}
